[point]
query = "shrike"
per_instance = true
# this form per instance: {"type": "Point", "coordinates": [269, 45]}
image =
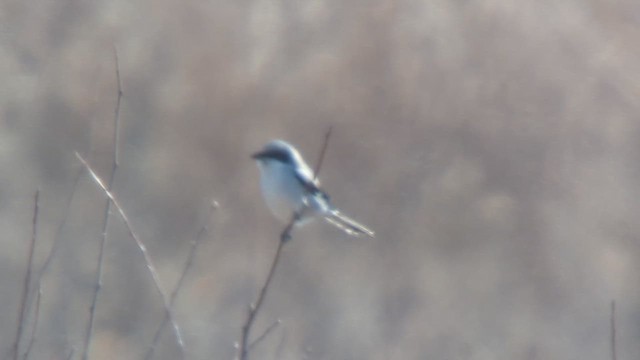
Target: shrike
{"type": "Point", "coordinates": [289, 187]}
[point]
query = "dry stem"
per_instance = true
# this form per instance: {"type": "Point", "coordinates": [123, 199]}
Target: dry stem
{"type": "Point", "coordinates": [143, 249]}
{"type": "Point", "coordinates": [27, 281]}
{"type": "Point", "coordinates": [188, 264]}
{"type": "Point", "coordinates": [107, 212]}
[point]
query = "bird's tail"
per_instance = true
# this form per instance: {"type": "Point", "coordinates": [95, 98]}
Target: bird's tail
{"type": "Point", "coordinates": [347, 224]}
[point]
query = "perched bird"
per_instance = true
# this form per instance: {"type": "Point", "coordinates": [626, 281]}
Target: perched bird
{"type": "Point", "coordinates": [289, 187]}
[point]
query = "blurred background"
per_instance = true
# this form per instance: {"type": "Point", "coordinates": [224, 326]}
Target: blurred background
{"type": "Point", "coordinates": [492, 146]}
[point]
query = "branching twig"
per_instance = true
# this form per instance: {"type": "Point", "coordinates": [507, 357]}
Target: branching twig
{"type": "Point", "coordinates": [105, 221]}
{"type": "Point", "coordinates": [613, 331]}
{"type": "Point", "coordinates": [254, 308]}
{"type": "Point", "coordinates": [243, 345]}
{"type": "Point", "coordinates": [50, 256]}
{"type": "Point", "coordinates": [143, 249]}
{"type": "Point", "coordinates": [27, 280]}
{"type": "Point", "coordinates": [187, 266]}
{"type": "Point", "coordinates": [265, 333]}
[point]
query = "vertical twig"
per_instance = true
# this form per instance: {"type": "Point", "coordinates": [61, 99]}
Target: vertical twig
{"type": "Point", "coordinates": [105, 221]}
{"type": "Point", "coordinates": [243, 345]}
{"type": "Point", "coordinates": [35, 325]}
{"type": "Point", "coordinates": [613, 330]}
{"type": "Point", "coordinates": [50, 256]}
{"type": "Point", "coordinates": [143, 249]}
{"type": "Point", "coordinates": [327, 135]}
{"type": "Point", "coordinates": [188, 264]}
{"type": "Point", "coordinates": [27, 280]}
{"type": "Point", "coordinates": [116, 115]}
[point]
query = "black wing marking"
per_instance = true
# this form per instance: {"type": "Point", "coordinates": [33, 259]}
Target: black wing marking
{"type": "Point", "coordinates": [310, 186]}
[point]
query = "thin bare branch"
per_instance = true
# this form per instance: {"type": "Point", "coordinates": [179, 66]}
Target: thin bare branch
{"type": "Point", "coordinates": [283, 338]}
{"type": "Point", "coordinates": [35, 325]}
{"type": "Point", "coordinates": [613, 331]}
{"type": "Point", "coordinates": [187, 266]}
{"type": "Point", "coordinates": [54, 248]}
{"type": "Point", "coordinates": [116, 129]}
{"type": "Point", "coordinates": [327, 135]}
{"type": "Point", "coordinates": [58, 237]}
{"type": "Point", "coordinates": [243, 348]}
{"type": "Point", "coordinates": [99, 283]}
{"type": "Point", "coordinates": [27, 280]}
{"type": "Point", "coordinates": [192, 252]}
{"type": "Point", "coordinates": [106, 216]}
{"type": "Point", "coordinates": [254, 308]}
{"type": "Point", "coordinates": [143, 249]}
{"type": "Point", "coordinates": [266, 333]}
{"type": "Point", "coordinates": [286, 233]}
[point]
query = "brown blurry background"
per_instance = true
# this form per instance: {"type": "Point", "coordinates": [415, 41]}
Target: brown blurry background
{"type": "Point", "coordinates": [492, 146]}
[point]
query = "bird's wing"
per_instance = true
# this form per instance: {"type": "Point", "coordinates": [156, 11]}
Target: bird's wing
{"type": "Point", "coordinates": [304, 176]}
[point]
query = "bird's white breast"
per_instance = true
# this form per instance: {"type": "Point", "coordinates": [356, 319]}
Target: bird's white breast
{"type": "Point", "coordinates": [282, 191]}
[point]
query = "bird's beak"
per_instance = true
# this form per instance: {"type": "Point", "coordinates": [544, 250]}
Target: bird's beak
{"type": "Point", "coordinates": [258, 155]}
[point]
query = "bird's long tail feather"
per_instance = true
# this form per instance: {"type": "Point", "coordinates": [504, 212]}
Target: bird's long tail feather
{"type": "Point", "coordinates": [347, 224]}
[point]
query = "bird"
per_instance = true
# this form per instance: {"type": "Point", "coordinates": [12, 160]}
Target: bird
{"type": "Point", "coordinates": [292, 191]}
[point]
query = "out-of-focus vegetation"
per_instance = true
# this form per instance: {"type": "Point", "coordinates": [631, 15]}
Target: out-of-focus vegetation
{"type": "Point", "coordinates": [492, 145]}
